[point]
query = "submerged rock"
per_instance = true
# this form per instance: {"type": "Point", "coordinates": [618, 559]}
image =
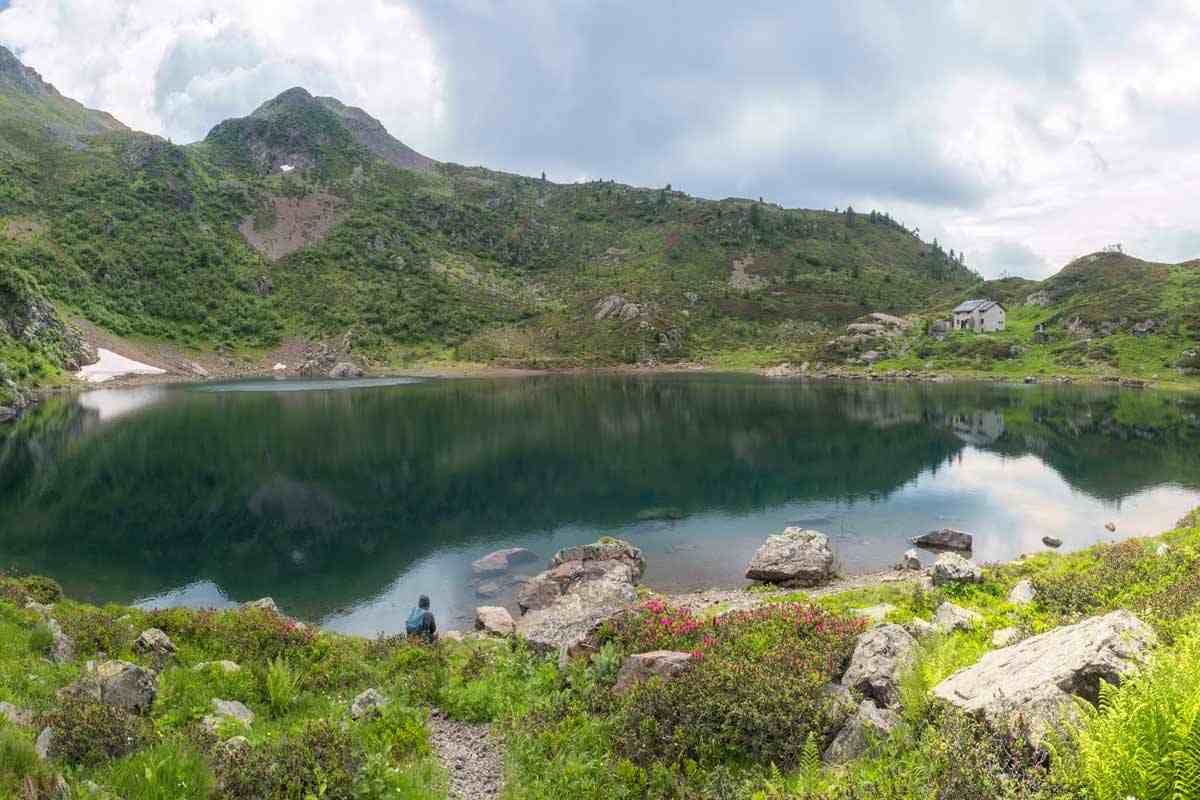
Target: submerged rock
{"type": "Point", "coordinates": [502, 561]}
{"type": "Point", "coordinates": [1028, 687]}
{"type": "Point", "coordinates": [945, 539]}
{"type": "Point", "coordinates": [793, 558]}
{"type": "Point", "coordinates": [880, 658]}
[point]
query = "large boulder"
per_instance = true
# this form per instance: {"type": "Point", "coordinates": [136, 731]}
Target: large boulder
{"type": "Point", "coordinates": [1022, 593]}
{"type": "Point", "coordinates": [793, 558]}
{"type": "Point", "coordinates": [494, 620]}
{"type": "Point", "coordinates": [881, 657]}
{"type": "Point", "coordinates": [944, 539]}
{"type": "Point", "coordinates": [665, 664]}
{"type": "Point", "coordinates": [126, 686]}
{"type": "Point", "coordinates": [855, 736]}
{"type": "Point", "coordinates": [574, 617]}
{"type": "Point", "coordinates": [545, 588]}
{"type": "Point", "coordinates": [953, 568]}
{"type": "Point", "coordinates": [502, 561]}
{"type": "Point", "coordinates": [606, 549]}
{"type": "Point", "coordinates": [344, 370]}
{"type": "Point", "coordinates": [1029, 686]}
{"type": "Point", "coordinates": [368, 704]}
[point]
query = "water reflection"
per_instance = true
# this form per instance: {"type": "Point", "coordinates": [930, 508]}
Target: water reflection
{"type": "Point", "coordinates": [345, 504]}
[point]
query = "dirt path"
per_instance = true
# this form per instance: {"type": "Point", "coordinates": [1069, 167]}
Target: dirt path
{"type": "Point", "coordinates": [472, 757]}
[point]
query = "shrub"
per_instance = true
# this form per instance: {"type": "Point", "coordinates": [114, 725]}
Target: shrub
{"type": "Point", "coordinates": [19, 590]}
{"type": "Point", "coordinates": [243, 635]}
{"type": "Point", "coordinates": [169, 771]}
{"type": "Point", "coordinates": [320, 761]}
{"type": "Point", "coordinates": [751, 693]}
{"type": "Point", "coordinates": [40, 639]}
{"type": "Point", "coordinates": [95, 630]}
{"type": "Point", "coordinates": [18, 761]}
{"type": "Point", "coordinates": [90, 733]}
{"type": "Point", "coordinates": [489, 684]}
{"type": "Point", "coordinates": [1143, 740]}
{"type": "Point", "coordinates": [399, 731]}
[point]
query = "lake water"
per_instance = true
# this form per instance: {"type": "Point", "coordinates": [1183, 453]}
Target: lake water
{"type": "Point", "coordinates": [345, 501]}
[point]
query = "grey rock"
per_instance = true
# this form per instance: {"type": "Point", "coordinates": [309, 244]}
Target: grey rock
{"type": "Point", "coordinates": [1023, 593]}
{"type": "Point", "coordinates": [262, 604]}
{"type": "Point", "coordinates": [855, 737]}
{"type": "Point", "coordinates": [369, 703]}
{"type": "Point", "coordinates": [945, 539]}
{"type": "Point", "coordinates": [62, 649]}
{"type": "Point", "coordinates": [233, 748]}
{"type": "Point", "coordinates": [607, 549]}
{"type": "Point", "coordinates": [881, 657]}
{"type": "Point", "coordinates": [228, 667]}
{"type": "Point", "coordinates": [344, 369]}
{"type": "Point", "coordinates": [45, 743]}
{"type": "Point", "coordinates": [1162, 550]}
{"type": "Point", "coordinates": [1005, 636]}
{"type": "Point", "coordinates": [1052, 541]}
{"type": "Point", "coordinates": [152, 641]}
{"type": "Point", "coordinates": [17, 716]}
{"type": "Point", "coordinates": [494, 620]}
{"type": "Point", "coordinates": [876, 614]}
{"type": "Point", "coordinates": [502, 561]}
{"type": "Point", "coordinates": [665, 664]}
{"type": "Point", "coordinates": [1029, 686]}
{"type": "Point", "coordinates": [547, 587]}
{"type": "Point", "coordinates": [953, 568]}
{"type": "Point", "coordinates": [910, 561]}
{"type": "Point", "coordinates": [225, 711]}
{"type": "Point", "coordinates": [126, 686]}
{"type": "Point", "coordinates": [571, 619]}
{"type": "Point", "coordinates": [920, 628]}
{"type": "Point", "coordinates": [793, 558]}
{"type": "Point", "coordinates": [949, 618]}
{"type": "Point", "coordinates": [43, 611]}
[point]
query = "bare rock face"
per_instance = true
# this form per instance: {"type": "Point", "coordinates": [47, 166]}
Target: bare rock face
{"type": "Point", "coordinates": [502, 561]}
{"type": "Point", "coordinates": [665, 664]}
{"type": "Point", "coordinates": [793, 558]}
{"type": "Point", "coordinates": [880, 658]}
{"type": "Point", "coordinates": [369, 703]}
{"type": "Point", "coordinates": [855, 737]}
{"type": "Point", "coordinates": [154, 642]}
{"type": "Point", "coordinates": [949, 618]}
{"type": "Point", "coordinates": [1023, 593]}
{"type": "Point", "coordinates": [570, 620]}
{"type": "Point", "coordinates": [953, 568]}
{"type": "Point", "coordinates": [945, 539]}
{"type": "Point", "coordinates": [494, 620]}
{"type": "Point", "coordinates": [1029, 685]}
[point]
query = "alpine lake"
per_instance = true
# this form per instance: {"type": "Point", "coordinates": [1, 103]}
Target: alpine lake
{"type": "Point", "coordinates": [346, 500]}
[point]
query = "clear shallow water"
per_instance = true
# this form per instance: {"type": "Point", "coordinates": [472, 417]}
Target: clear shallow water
{"type": "Point", "coordinates": [345, 501]}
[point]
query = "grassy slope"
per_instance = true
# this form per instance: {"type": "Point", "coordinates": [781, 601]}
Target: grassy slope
{"type": "Point", "coordinates": [568, 735]}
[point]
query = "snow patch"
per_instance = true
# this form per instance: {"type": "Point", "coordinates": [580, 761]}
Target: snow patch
{"type": "Point", "coordinates": [286, 168]}
{"type": "Point", "coordinates": [113, 365]}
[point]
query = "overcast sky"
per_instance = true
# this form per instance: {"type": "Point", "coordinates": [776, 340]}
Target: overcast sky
{"type": "Point", "coordinates": [1024, 133]}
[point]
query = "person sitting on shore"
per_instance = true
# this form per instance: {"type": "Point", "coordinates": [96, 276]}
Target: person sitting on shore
{"type": "Point", "coordinates": [421, 622]}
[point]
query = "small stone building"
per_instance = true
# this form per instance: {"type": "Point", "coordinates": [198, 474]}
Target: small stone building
{"type": "Point", "coordinates": [981, 316]}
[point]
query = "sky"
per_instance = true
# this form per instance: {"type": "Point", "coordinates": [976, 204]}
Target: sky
{"type": "Point", "coordinates": [1023, 134]}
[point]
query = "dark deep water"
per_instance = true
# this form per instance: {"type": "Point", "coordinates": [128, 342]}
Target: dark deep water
{"type": "Point", "coordinates": [344, 502]}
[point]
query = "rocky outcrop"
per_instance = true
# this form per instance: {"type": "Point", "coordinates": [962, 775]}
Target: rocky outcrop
{"type": "Point", "coordinates": [115, 683]}
{"type": "Point", "coordinates": [944, 539]}
{"type": "Point", "coordinates": [494, 620]}
{"type": "Point", "coordinates": [368, 704]}
{"type": "Point", "coordinates": [62, 648]}
{"type": "Point", "coordinates": [949, 618]}
{"type": "Point", "coordinates": [584, 586]}
{"type": "Point", "coordinates": [880, 658]}
{"type": "Point", "coordinates": [869, 722]}
{"type": "Point", "coordinates": [262, 604]}
{"type": "Point", "coordinates": [502, 561]}
{"type": "Point", "coordinates": [953, 568]}
{"type": "Point", "coordinates": [793, 558]}
{"type": "Point", "coordinates": [344, 370]}
{"type": "Point", "coordinates": [910, 561]}
{"type": "Point", "coordinates": [225, 712]}
{"type": "Point", "coordinates": [665, 664]}
{"type": "Point", "coordinates": [615, 306]}
{"type": "Point", "coordinates": [1029, 686]}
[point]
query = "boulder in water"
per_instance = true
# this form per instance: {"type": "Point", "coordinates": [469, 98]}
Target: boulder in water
{"type": "Point", "coordinates": [793, 558]}
{"type": "Point", "coordinates": [945, 539]}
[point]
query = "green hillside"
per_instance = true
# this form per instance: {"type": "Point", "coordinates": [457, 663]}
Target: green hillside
{"type": "Point", "coordinates": [306, 221]}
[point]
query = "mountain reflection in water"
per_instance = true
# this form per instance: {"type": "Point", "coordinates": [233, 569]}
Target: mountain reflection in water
{"type": "Point", "coordinates": [345, 505]}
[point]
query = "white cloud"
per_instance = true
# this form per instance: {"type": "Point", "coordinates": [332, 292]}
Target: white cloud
{"type": "Point", "coordinates": [177, 67]}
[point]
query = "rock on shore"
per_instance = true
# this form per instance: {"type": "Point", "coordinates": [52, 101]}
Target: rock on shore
{"type": "Point", "coordinates": [793, 558]}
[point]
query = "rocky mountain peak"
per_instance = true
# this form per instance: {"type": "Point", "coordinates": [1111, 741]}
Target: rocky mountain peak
{"type": "Point", "coordinates": [16, 76]}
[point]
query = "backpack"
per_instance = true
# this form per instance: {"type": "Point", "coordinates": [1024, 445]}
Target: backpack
{"type": "Point", "coordinates": [416, 622]}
